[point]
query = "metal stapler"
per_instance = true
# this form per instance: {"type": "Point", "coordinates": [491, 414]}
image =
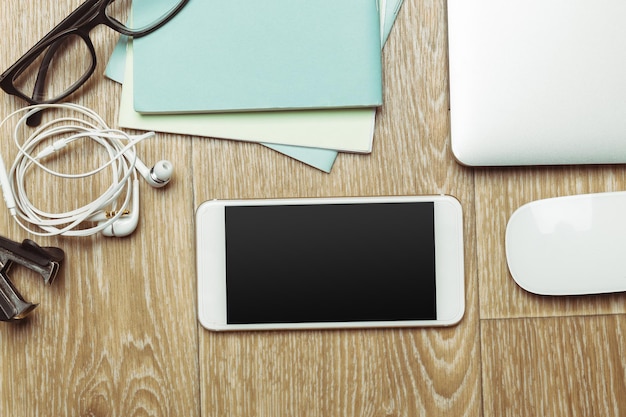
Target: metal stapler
{"type": "Point", "coordinates": [45, 261]}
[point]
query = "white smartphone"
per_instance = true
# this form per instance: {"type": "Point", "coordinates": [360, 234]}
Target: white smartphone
{"type": "Point", "coordinates": [330, 263]}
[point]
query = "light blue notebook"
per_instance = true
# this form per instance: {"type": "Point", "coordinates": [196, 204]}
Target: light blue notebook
{"type": "Point", "coordinates": [246, 55]}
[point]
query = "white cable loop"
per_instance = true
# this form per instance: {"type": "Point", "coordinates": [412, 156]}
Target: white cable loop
{"type": "Point", "coordinates": [61, 132]}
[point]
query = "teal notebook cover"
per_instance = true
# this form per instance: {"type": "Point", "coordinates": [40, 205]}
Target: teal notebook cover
{"type": "Point", "coordinates": [246, 55]}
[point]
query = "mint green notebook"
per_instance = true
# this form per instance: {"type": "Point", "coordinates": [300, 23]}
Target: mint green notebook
{"type": "Point", "coordinates": [246, 55]}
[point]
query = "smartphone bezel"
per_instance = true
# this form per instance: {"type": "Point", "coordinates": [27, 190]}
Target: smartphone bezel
{"type": "Point", "coordinates": [211, 259]}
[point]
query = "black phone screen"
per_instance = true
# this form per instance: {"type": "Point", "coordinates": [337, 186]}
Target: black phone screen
{"type": "Point", "coordinates": [330, 263]}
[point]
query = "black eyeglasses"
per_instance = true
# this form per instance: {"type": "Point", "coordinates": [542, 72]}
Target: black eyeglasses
{"type": "Point", "coordinates": [65, 58]}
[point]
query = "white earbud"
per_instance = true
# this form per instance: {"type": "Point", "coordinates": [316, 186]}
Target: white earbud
{"type": "Point", "coordinates": [159, 175]}
{"type": "Point", "coordinates": [127, 223]}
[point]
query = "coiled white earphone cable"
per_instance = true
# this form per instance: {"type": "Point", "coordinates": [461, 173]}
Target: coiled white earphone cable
{"type": "Point", "coordinates": [113, 203]}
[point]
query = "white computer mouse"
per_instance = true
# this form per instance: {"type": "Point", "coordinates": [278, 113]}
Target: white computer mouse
{"type": "Point", "coordinates": [570, 245]}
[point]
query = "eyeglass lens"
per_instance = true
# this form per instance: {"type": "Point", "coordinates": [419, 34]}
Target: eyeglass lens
{"type": "Point", "coordinates": [65, 62]}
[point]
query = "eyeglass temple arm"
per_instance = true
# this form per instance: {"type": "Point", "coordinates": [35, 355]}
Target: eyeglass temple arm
{"type": "Point", "coordinates": [70, 20]}
{"type": "Point", "coordinates": [40, 83]}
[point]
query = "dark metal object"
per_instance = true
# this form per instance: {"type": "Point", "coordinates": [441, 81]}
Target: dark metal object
{"type": "Point", "coordinates": [45, 261]}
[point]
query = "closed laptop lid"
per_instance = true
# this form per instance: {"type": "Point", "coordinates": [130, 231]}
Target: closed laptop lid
{"type": "Point", "coordinates": [537, 82]}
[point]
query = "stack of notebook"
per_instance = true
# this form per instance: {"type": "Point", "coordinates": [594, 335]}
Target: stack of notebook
{"type": "Point", "coordinates": [302, 77]}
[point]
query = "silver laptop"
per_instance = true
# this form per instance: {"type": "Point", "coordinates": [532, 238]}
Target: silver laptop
{"type": "Point", "coordinates": [537, 82]}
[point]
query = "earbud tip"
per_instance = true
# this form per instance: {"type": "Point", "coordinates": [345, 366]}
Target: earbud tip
{"type": "Point", "coordinates": [162, 172]}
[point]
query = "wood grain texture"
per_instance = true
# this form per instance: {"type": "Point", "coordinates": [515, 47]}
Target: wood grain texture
{"type": "Point", "coordinates": [570, 366]}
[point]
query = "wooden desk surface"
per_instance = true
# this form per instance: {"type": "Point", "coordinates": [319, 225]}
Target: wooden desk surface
{"type": "Point", "coordinates": [117, 334]}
